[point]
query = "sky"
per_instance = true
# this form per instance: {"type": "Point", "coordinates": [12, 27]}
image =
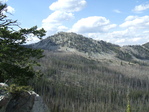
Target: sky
{"type": "Point", "coordinates": [122, 22]}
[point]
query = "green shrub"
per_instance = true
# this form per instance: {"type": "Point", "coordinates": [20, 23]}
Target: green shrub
{"type": "Point", "coordinates": [14, 89]}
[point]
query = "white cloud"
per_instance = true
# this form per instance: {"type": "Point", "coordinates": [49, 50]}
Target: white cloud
{"type": "Point", "coordinates": [136, 22]}
{"type": "Point", "coordinates": [62, 28]}
{"type": "Point", "coordinates": [128, 41]}
{"type": "Point", "coordinates": [58, 16]}
{"type": "Point", "coordinates": [146, 32]}
{"type": "Point", "coordinates": [134, 30]}
{"type": "Point", "coordinates": [32, 39]}
{"type": "Point", "coordinates": [68, 5]}
{"type": "Point", "coordinates": [117, 11]}
{"type": "Point", "coordinates": [94, 24]}
{"type": "Point", "coordinates": [53, 23]}
{"type": "Point", "coordinates": [129, 18]}
{"type": "Point", "coordinates": [63, 12]}
{"type": "Point", "coordinates": [141, 8]}
{"type": "Point", "coordinates": [10, 9]}
{"type": "Point", "coordinates": [119, 41]}
{"type": "Point", "coordinates": [123, 36]}
{"type": "Point", "coordinates": [136, 39]}
{"type": "Point", "coordinates": [128, 36]}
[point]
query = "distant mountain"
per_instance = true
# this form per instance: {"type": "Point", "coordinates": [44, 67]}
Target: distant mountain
{"type": "Point", "coordinates": [74, 41]}
{"type": "Point", "coordinates": [146, 45]}
{"type": "Point", "coordinates": [78, 44]}
{"type": "Point", "coordinates": [137, 51]}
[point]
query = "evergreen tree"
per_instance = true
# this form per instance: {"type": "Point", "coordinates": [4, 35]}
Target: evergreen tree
{"type": "Point", "coordinates": [16, 60]}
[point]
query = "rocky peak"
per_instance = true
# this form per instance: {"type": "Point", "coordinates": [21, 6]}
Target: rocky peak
{"type": "Point", "coordinates": [74, 41]}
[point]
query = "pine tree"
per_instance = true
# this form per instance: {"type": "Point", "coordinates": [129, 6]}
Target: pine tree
{"type": "Point", "coordinates": [16, 60]}
{"type": "Point", "coordinates": [128, 109]}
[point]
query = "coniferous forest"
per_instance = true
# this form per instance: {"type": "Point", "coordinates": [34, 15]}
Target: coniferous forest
{"type": "Point", "coordinates": [73, 83]}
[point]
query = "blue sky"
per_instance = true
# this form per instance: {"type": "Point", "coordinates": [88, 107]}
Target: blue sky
{"type": "Point", "coordinates": [122, 22]}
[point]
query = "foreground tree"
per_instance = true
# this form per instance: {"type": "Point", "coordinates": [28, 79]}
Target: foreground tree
{"type": "Point", "coordinates": [16, 61]}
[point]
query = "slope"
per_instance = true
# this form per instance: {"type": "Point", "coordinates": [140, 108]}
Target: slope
{"type": "Point", "coordinates": [84, 75]}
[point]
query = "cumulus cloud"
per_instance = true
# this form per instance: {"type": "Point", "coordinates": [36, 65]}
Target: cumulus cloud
{"type": "Point", "coordinates": [126, 35]}
{"type": "Point", "coordinates": [141, 8]}
{"type": "Point", "coordinates": [128, 41]}
{"type": "Point", "coordinates": [63, 12]}
{"type": "Point", "coordinates": [68, 5]}
{"type": "Point", "coordinates": [136, 22]}
{"type": "Point", "coordinates": [121, 34]}
{"type": "Point", "coordinates": [58, 16]}
{"type": "Point", "coordinates": [133, 31]}
{"type": "Point", "coordinates": [53, 23]}
{"type": "Point", "coordinates": [94, 24]}
{"type": "Point", "coordinates": [122, 37]}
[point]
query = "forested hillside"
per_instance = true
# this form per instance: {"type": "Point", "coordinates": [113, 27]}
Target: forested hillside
{"type": "Point", "coordinates": [92, 78]}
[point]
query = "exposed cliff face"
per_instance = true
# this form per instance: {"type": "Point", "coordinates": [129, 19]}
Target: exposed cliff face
{"type": "Point", "coordinates": [22, 102]}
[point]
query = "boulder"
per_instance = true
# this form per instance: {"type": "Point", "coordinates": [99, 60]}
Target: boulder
{"type": "Point", "coordinates": [21, 102]}
{"type": "Point", "coordinates": [38, 102]}
{"type": "Point", "coordinates": [26, 102]}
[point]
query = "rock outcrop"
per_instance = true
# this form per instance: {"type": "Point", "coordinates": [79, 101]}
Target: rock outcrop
{"type": "Point", "coordinates": [4, 97]}
{"type": "Point", "coordinates": [22, 102]}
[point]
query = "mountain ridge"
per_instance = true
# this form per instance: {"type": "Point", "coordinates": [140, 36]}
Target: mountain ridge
{"type": "Point", "coordinates": [87, 47]}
